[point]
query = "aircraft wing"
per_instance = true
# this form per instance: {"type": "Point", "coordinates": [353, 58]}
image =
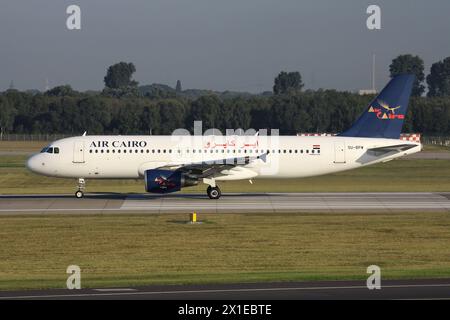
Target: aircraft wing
{"type": "Point", "coordinates": [206, 169]}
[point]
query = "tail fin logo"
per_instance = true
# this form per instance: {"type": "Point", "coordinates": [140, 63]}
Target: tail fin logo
{"type": "Point", "coordinates": [388, 113]}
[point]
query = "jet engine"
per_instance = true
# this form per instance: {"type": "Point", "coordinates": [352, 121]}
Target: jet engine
{"type": "Point", "coordinates": [166, 181]}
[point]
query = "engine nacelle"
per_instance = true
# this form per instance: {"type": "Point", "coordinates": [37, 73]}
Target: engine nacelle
{"type": "Point", "coordinates": [165, 181]}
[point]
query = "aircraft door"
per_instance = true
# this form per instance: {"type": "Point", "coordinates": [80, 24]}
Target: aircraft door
{"type": "Point", "coordinates": [339, 152]}
{"type": "Point", "coordinates": [78, 152]}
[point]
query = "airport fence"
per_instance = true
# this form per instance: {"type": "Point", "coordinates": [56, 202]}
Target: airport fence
{"type": "Point", "coordinates": [33, 137]}
{"type": "Point", "coordinates": [441, 141]}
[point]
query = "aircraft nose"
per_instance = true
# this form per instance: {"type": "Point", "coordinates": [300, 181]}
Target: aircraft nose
{"type": "Point", "coordinates": [33, 163]}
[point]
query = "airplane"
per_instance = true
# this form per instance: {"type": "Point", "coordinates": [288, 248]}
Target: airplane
{"type": "Point", "coordinates": [168, 163]}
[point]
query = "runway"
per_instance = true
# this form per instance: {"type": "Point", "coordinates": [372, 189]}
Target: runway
{"type": "Point", "coordinates": [228, 203]}
{"type": "Point", "coordinates": [437, 289]}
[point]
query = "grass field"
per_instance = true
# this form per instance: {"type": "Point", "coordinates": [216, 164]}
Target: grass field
{"type": "Point", "coordinates": [24, 146]}
{"type": "Point", "coordinates": [128, 250]}
{"type": "Point", "coordinates": [399, 175]}
{"type": "Point", "coordinates": [435, 148]}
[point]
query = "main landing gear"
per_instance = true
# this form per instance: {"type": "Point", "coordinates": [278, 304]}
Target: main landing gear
{"type": "Point", "coordinates": [213, 192]}
{"type": "Point", "coordinates": [81, 185]}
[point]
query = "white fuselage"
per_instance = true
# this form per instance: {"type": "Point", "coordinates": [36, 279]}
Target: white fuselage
{"type": "Point", "coordinates": [127, 157]}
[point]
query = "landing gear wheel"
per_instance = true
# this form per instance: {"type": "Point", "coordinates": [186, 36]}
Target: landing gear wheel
{"type": "Point", "coordinates": [213, 192]}
{"type": "Point", "coordinates": [79, 194]}
{"type": "Point", "coordinates": [81, 185]}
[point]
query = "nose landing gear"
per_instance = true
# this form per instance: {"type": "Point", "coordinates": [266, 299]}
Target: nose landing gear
{"type": "Point", "coordinates": [213, 192]}
{"type": "Point", "coordinates": [81, 185]}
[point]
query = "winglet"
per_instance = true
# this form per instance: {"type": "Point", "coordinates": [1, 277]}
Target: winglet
{"type": "Point", "coordinates": [263, 157]}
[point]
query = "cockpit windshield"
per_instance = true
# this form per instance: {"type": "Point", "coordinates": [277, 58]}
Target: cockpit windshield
{"type": "Point", "coordinates": [50, 150]}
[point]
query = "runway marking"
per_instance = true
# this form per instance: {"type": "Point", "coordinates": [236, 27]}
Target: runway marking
{"type": "Point", "coordinates": [262, 202]}
{"type": "Point", "coordinates": [115, 290]}
{"type": "Point", "coordinates": [424, 299]}
{"type": "Point", "coordinates": [225, 291]}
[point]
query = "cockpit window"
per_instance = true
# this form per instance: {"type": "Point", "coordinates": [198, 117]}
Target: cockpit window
{"type": "Point", "coordinates": [50, 150]}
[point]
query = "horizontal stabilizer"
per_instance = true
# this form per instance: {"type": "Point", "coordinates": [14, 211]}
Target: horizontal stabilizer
{"type": "Point", "coordinates": [394, 148]}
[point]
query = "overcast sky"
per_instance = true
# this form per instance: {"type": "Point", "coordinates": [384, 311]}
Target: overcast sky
{"type": "Point", "coordinates": [216, 44]}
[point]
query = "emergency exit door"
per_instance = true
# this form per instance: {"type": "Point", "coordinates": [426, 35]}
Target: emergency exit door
{"type": "Point", "coordinates": [78, 152]}
{"type": "Point", "coordinates": [339, 152]}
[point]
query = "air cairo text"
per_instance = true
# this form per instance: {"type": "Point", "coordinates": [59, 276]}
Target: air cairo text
{"type": "Point", "coordinates": [118, 144]}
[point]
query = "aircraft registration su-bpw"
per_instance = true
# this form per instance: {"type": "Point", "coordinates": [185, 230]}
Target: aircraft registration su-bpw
{"type": "Point", "coordinates": [169, 163]}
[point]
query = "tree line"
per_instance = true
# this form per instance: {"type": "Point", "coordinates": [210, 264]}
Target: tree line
{"type": "Point", "coordinates": [125, 108]}
{"type": "Point", "coordinates": [292, 112]}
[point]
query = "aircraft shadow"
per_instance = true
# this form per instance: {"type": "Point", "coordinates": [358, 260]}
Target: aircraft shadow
{"type": "Point", "coordinates": [130, 196]}
{"type": "Point", "coordinates": [105, 196]}
{"type": "Point", "coordinates": [146, 197]}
